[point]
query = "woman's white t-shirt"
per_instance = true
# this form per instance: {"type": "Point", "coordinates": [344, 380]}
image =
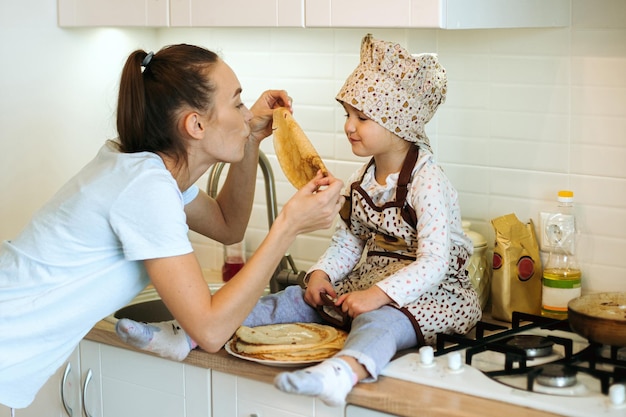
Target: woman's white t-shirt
{"type": "Point", "coordinates": [80, 259]}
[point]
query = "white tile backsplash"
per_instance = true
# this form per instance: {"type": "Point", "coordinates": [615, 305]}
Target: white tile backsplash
{"type": "Point", "coordinates": [529, 112]}
{"type": "Point", "coordinates": [520, 122]}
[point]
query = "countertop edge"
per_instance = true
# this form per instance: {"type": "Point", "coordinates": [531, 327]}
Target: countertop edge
{"type": "Point", "coordinates": [388, 395]}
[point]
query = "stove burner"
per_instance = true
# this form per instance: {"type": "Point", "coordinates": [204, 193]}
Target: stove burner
{"type": "Point", "coordinates": [534, 346]}
{"type": "Point", "coordinates": [557, 376]}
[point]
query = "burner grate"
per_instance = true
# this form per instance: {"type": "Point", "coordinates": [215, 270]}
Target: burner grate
{"type": "Point", "coordinates": [608, 369]}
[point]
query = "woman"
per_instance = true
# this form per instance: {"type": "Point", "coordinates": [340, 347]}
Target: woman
{"type": "Point", "coordinates": [123, 220]}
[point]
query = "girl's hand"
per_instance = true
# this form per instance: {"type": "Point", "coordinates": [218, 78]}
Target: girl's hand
{"type": "Point", "coordinates": [263, 109]}
{"type": "Point", "coordinates": [318, 282]}
{"type": "Point", "coordinates": [359, 302]}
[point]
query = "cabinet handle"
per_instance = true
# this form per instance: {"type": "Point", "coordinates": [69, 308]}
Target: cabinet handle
{"type": "Point", "coordinates": [87, 381]}
{"type": "Point", "coordinates": [66, 374]}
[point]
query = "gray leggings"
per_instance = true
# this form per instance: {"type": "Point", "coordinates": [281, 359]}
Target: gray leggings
{"type": "Point", "coordinates": [374, 338]}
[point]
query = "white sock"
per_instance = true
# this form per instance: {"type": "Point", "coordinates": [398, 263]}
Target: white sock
{"type": "Point", "coordinates": [330, 380]}
{"type": "Point", "coordinates": [166, 339]}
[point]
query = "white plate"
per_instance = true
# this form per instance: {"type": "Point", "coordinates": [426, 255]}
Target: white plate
{"type": "Point", "coordinates": [268, 362]}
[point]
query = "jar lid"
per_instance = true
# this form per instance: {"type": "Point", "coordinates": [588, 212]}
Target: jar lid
{"type": "Point", "coordinates": [477, 239]}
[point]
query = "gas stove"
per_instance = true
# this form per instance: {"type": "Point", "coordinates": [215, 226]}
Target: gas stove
{"type": "Point", "coordinates": [536, 362]}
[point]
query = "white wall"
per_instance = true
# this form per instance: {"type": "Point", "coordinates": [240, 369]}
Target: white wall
{"type": "Point", "coordinates": [529, 112]}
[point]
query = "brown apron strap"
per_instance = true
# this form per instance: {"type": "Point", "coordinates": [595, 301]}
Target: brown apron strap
{"type": "Point", "coordinates": [407, 212]}
{"type": "Point", "coordinates": [418, 330]}
{"type": "Point", "coordinates": [346, 209]}
{"type": "Point", "coordinates": [402, 189]}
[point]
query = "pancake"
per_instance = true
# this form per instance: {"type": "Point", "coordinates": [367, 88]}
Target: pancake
{"type": "Point", "coordinates": [296, 155]}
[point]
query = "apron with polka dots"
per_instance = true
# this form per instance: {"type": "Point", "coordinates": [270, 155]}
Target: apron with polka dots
{"type": "Point", "coordinates": [391, 243]}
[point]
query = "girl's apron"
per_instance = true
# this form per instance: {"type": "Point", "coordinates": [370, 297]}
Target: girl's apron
{"type": "Point", "coordinates": [391, 244]}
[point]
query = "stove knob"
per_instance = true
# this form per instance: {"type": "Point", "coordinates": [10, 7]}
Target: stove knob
{"type": "Point", "coordinates": [617, 394]}
{"type": "Point", "coordinates": [427, 356]}
{"type": "Point", "coordinates": [455, 363]}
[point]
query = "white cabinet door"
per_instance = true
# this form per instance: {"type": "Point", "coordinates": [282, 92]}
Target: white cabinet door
{"type": "Point", "coordinates": [243, 397]}
{"type": "Point", "coordinates": [59, 397]}
{"type": "Point", "coordinates": [130, 384]}
{"type": "Point", "coordinates": [237, 13]}
{"type": "Point", "coordinates": [354, 411]}
{"type": "Point", "coordinates": [113, 13]}
{"type": "Point", "coordinates": [447, 14]}
{"type": "Point", "coordinates": [91, 393]}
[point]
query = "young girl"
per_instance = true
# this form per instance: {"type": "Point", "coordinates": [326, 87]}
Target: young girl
{"type": "Point", "coordinates": [402, 213]}
{"type": "Point", "coordinates": [123, 220]}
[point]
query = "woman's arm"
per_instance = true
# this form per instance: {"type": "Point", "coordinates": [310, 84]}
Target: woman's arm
{"type": "Point", "coordinates": [211, 320]}
{"type": "Point", "coordinates": [226, 217]}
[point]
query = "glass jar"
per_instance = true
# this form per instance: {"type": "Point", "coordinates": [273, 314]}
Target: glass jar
{"type": "Point", "coordinates": [234, 259]}
{"type": "Point", "coordinates": [478, 267]}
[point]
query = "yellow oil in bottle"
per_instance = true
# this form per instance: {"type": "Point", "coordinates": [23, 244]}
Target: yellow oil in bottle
{"type": "Point", "coordinates": [559, 286]}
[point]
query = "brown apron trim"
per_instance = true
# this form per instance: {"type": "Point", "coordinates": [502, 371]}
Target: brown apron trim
{"type": "Point", "coordinates": [402, 189]}
{"type": "Point", "coordinates": [391, 255]}
{"type": "Point", "coordinates": [418, 330]}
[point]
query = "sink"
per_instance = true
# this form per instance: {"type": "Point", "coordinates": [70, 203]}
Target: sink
{"type": "Point", "coordinates": [147, 311]}
{"type": "Point", "coordinates": [148, 306]}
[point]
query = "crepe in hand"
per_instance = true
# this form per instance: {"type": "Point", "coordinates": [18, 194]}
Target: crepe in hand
{"type": "Point", "coordinates": [288, 342]}
{"type": "Point", "coordinates": [297, 157]}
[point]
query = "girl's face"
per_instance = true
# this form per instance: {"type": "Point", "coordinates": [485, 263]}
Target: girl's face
{"type": "Point", "coordinates": [228, 123]}
{"type": "Point", "coordinates": [366, 136]}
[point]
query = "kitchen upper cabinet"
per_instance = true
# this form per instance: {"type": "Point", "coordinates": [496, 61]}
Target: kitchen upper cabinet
{"type": "Point", "coordinates": [113, 12]}
{"type": "Point", "coordinates": [445, 14]}
{"type": "Point", "coordinates": [243, 397]}
{"type": "Point", "coordinates": [123, 383]}
{"type": "Point", "coordinates": [59, 397]}
{"type": "Point", "coordinates": [237, 13]}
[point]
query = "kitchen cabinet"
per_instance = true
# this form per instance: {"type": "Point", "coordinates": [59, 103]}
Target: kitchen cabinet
{"type": "Point", "coordinates": [237, 13]}
{"type": "Point", "coordinates": [60, 393]}
{"type": "Point", "coordinates": [243, 397]}
{"type": "Point", "coordinates": [356, 411]}
{"type": "Point", "coordinates": [113, 13]}
{"type": "Point", "coordinates": [444, 14]}
{"type": "Point", "coordinates": [124, 383]}
{"type": "Point", "coordinates": [104, 381]}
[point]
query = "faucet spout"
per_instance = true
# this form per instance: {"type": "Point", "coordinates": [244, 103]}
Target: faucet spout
{"type": "Point", "coordinates": [286, 273]}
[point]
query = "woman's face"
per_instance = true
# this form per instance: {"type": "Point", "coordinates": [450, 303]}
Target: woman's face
{"type": "Point", "coordinates": [228, 123]}
{"type": "Point", "coordinates": [367, 137]}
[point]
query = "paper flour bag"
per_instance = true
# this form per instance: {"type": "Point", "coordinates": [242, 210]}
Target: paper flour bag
{"type": "Point", "coordinates": [516, 280]}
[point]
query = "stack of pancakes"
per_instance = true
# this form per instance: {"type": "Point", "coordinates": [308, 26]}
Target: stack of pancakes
{"type": "Point", "coordinates": [301, 342]}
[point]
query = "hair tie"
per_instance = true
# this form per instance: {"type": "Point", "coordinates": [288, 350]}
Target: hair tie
{"type": "Point", "coordinates": [147, 59]}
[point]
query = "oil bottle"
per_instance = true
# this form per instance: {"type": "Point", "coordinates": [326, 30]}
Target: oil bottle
{"type": "Point", "coordinates": [561, 273]}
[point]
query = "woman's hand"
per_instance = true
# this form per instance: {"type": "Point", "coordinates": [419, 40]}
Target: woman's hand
{"type": "Point", "coordinates": [263, 109]}
{"type": "Point", "coordinates": [315, 206]}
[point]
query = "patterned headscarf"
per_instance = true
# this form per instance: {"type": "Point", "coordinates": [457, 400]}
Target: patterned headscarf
{"type": "Point", "coordinates": [399, 91]}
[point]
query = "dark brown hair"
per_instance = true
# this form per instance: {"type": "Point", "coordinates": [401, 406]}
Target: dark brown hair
{"type": "Point", "coordinates": [149, 101]}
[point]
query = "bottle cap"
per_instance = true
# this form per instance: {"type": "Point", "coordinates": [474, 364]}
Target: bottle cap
{"type": "Point", "coordinates": [565, 196]}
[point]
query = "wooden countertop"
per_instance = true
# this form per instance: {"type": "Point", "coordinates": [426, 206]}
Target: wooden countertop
{"type": "Point", "coordinates": [388, 395]}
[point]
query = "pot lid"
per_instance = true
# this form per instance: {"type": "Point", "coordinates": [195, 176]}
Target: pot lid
{"type": "Point", "coordinates": [477, 239]}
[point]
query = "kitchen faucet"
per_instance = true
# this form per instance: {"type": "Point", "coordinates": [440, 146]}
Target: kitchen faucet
{"type": "Point", "coordinates": [286, 273]}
